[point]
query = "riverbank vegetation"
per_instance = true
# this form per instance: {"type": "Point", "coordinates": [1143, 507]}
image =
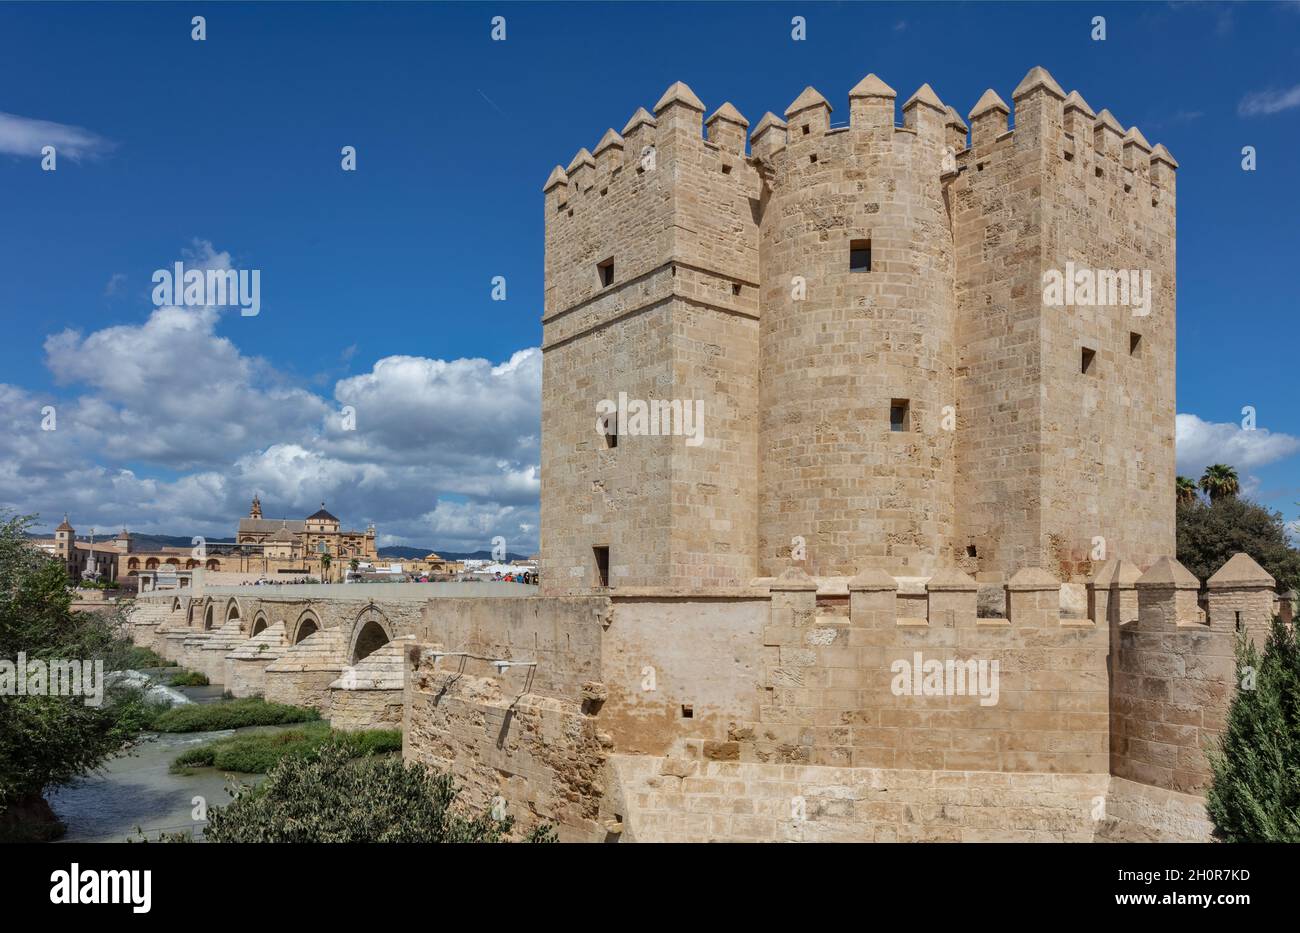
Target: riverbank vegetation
{"type": "Point", "coordinates": [230, 714]}
{"type": "Point", "coordinates": [259, 752]}
{"type": "Point", "coordinates": [54, 736]}
{"type": "Point", "coordinates": [188, 679]}
{"type": "Point", "coordinates": [331, 796]}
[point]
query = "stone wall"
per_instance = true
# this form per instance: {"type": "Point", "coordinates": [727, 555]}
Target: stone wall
{"type": "Point", "coordinates": [542, 755]}
{"type": "Point", "coordinates": [680, 800]}
{"type": "Point", "coordinates": [833, 693]}
{"type": "Point", "coordinates": [1175, 670]}
{"type": "Point", "coordinates": [352, 710]}
{"type": "Point", "coordinates": [679, 323]}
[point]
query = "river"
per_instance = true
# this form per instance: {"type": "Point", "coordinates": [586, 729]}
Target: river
{"type": "Point", "coordinates": [136, 789]}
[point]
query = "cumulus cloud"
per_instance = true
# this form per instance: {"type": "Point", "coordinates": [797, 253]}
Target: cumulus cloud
{"type": "Point", "coordinates": [1201, 443]}
{"type": "Point", "coordinates": [169, 427]}
{"type": "Point", "coordinates": [25, 136]}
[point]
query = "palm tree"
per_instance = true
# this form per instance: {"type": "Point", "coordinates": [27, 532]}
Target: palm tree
{"type": "Point", "coordinates": [325, 568]}
{"type": "Point", "coordinates": [1185, 488]}
{"type": "Point", "coordinates": [1220, 482]}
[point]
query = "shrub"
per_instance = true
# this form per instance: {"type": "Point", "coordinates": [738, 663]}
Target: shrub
{"type": "Point", "coordinates": [258, 752]}
{"type": "Point", "coordinates": [49, 740]}
{"type": "Point", "coordinates": [1210, 534]}
{"type": "Point", "coordinates": [231, 714]}
{"type": "Point", "coordinates": [135, 658]}
{"type": "Point", "coordinates": [1255, 793]}
{"type": "Point", "coordinates": [329, 797]}
{"type": "Point", "coordinates": [189, 679]}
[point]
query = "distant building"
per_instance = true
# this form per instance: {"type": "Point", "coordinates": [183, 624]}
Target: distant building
{"type": "Point", "coordinates": [262, 548]}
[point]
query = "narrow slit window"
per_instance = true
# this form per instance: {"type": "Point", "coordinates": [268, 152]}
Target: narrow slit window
{"type": "Point", "coordinates": [860, 256]}
{"type": "Point", "coordinates": [898, 412]}
{"type": "Point", "coordinates": [602, 565]}
{"type": "Point", "coordinates": [606, 272]}
{"type": "Point", "coordinates": [1086, 360]}
{"type": "Point", "coordinates": [611, 430]}
{"type": "Point", "coordinates": [1134, 343]}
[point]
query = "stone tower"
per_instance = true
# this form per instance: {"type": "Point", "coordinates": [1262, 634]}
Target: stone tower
{"type": "Point", "coordinates": [65, 537]}
{"type": "Point", "coordinates": [861, 312]}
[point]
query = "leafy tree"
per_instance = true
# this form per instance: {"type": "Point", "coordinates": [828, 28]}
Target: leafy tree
{"type": "Point", "coordinates": [1185, 489]}
{"type": "Point", "coordinates": [328, 796]}
{"type": "Point", "coordinates": [1210, 534]}
{"type": "Point", "coordinates": [1220, 482]}
{"type": "Point", "coordinates": [1255, 794]}
{"type": "Point", "coordinates": [49, 740]}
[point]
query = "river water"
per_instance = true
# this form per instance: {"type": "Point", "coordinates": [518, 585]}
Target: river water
{"type": "Point", "coordinates": [136, 790]}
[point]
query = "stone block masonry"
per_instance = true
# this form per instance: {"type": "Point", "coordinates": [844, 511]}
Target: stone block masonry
{"type": "Point", "coordinates": [775, 713]}
{"type": "Point", "coordinates": [860, 309]}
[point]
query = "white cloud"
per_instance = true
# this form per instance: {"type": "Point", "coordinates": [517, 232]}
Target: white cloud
{"type": "Point", "coordinates": [24, 136]}
{"type": "Point", "coordinates": [1201, 443]}
{"type": "Point", "coordinates": [1264, 103]}
{"type": "Point", "coordinates": [168, 427]}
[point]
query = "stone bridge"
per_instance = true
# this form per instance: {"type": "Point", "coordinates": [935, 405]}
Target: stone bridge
{"type": "Point", "coordinates": [336, 648]}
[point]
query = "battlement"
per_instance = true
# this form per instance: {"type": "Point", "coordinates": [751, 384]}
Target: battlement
{"type": "Point", "coordinates": [861, 310]}
{"type": "Point", "coordinates": [1047, 116]}
{"type": "Point", "coordinates": [913, 674]}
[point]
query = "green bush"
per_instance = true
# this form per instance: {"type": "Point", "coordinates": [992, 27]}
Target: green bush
{"type": "Point", "coordinates": [189, 679]}
{"type": "Point", "coordinates": [1255, 793]}
{"type": "Point", "coordinates": [330, 797]}
{"type": "Point", "coordinates": [49, 740]}
{"type": "Point", "coordinates": [230, 714]}
{"type": "Point", "coordinates": [258, 752]}
{"type": "Point", "coordinates": [135, 658]}
{"type": "Point", "coordinates": [1210, 534]}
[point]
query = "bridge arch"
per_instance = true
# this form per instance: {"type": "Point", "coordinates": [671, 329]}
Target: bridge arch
{"type": "Point", "coordinates": [371, 630]}
{"type": "Point", "coordinates": [307, 624]}
{"type": "Point", "coordinates": [259, 623]}
{"type": "Point", "coordinates": [232, 609]}
{"type": "Point", "coordinates": [208, 613]}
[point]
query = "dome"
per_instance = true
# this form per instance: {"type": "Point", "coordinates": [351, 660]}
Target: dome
{"type": "Point", "coordinates": [322, 516]}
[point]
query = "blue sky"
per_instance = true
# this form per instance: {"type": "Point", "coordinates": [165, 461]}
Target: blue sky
{"type": "Point", "coordinates": [376, 284]}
